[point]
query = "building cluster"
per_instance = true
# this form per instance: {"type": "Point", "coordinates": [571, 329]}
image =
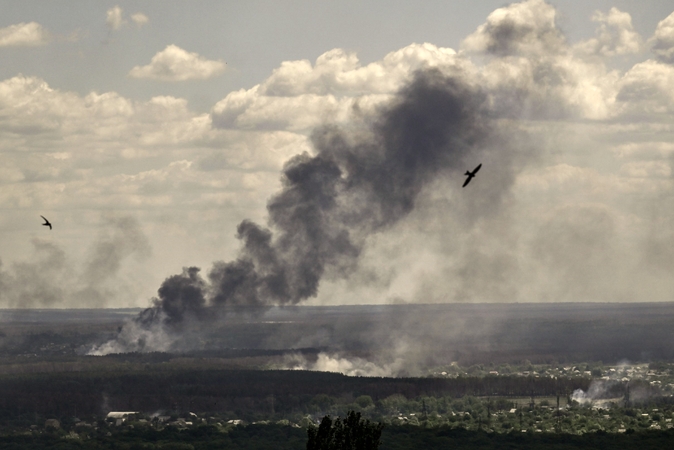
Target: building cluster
{"type": "Point", "coordinates": [663, 375]}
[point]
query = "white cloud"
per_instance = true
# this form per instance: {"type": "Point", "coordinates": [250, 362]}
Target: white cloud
{"type": "Point", "coordinates": [339, 72]}
{"type": "Point", "coordinates": [175, 64]}
{"type": "Point", "coordinates": [531, 70]}
{"type": "Point", "coordinates": [24, 35]}
{"type": "Point", "coordinates": [299, 96]}
{"type": "Point", "coordinates": [29, 105]}
{"type": "Point", "coordinates": [647, 89]}
{"type": "Point", "coordinates": [33, 110]}
{"type": "Point", "coordinates": [615, 35]}
{"type": "Point", "coordinates": [114, 18]}
{"type": "Point", "coordinates": [550, 88]}
{"type": "Point", "coordinates": [139, 19]}
{"type": "Point", "coordinates": [50, 137]}
{"type": "Point", "coordinates": [520, 28]}
{"type": "Point", "coordinates": [249, 110]}
{"type": "Point", "coordinates": [662, 41]}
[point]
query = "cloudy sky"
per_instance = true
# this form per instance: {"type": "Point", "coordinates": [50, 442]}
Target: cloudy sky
{"type": "Point", "coordinates": [147, 131]}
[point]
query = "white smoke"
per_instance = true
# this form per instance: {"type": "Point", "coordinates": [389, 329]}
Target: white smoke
{"type": "Point", "coordinates": [355, 367]}
{"type": "Point", "coordinates": [597, 391]}
{"type": "Point", "coordinates": [135, 337]}
{"type": "Point", "coordinates": [581, 396]}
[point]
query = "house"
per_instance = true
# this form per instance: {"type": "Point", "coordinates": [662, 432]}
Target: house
{"type": "Point", "coordinates": [120, 414]}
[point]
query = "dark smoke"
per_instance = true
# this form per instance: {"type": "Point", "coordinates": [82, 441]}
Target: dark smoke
{"type": "Point", "coordinates": [360, 181]}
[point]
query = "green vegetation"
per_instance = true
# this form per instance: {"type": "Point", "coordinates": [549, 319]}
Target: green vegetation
{"type": "Point", "coordinates": [409, 437]}
{"type": "Point", "coordinates": [495, 402]}
{"type": "Point", "coordinates": [209, 407]}
{"type": "Point", "coordinates": [284, 437]}
{"type": "Point", "coordinates": [350, 433]}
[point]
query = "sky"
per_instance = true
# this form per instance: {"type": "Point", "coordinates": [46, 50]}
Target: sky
{"type": "Point", "coordinates": [147, 132]}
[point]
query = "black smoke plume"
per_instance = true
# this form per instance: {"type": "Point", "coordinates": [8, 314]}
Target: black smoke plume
{"type": "Point", "coordinates": [360, 180]}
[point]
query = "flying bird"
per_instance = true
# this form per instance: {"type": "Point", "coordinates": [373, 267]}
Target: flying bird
{"type": "Point", "coordinates": [46, 222]}
{"type": "Point", "coordinates": [471, 175]}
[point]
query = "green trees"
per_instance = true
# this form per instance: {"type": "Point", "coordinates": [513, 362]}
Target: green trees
{"type": "Point", "coordinates": [351, 433]}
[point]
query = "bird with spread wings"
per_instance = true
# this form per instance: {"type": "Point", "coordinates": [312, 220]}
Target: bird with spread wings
{"type": "Point", "coordinates": [471, 175]}
{"type": "Point", "coordinates": [46, 222]}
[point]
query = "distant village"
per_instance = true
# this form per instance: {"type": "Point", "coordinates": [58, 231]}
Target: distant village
{"type": "Point", "coordinates": [646, 402]}
{"type": "Point", "coordinates": [657, 374]}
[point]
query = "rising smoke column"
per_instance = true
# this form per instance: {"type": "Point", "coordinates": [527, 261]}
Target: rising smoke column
{"type": "Point", "coordinates": [361, 180]}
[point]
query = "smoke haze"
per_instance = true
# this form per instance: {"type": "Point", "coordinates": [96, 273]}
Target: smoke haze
{"type": "Point", "coordinates": [570, 205]}
{"type": "Point", "coordinates": [52, 278]}
{"type": "Point", "coordinates": [361, 180]}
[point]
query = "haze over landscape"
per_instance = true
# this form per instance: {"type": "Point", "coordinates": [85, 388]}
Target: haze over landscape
{"type": "Point", "coordinates": [224, 223]}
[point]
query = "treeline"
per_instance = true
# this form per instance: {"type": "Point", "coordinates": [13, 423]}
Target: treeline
{"type": "Point", "coordinates": [409, 437]}
{"type": "Point", "coordinates": [264, 437]}
{"type": "Point", "coordinates": [251, 437]}
{"type": "Point", "coordinates": [243, 392]}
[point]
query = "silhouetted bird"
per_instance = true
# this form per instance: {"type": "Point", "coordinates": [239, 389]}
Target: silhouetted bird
{"type": "Point", "coordinates": [471, 175]}
{"type": "Point", "coordinates": [46, 222]}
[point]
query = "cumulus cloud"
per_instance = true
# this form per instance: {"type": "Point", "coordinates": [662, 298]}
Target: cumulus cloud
{"type": "Point", "coordinates": [647, 89]}
{"type": "Point", "coordinates": [520, 28]}
{"type": "Point", "coordinates": [28, 105]}
{"type": "Point", "coordinates": [115, 18]}
{"type": "Point", "coordinates": [299, 96]}
{"type": "Point", "coordinates": [340, 72]}
{"type": "Point", "coordinates": [24, 35]}
{"type": "Point", "coordinates": [62, 137]}
{"type": "Point", "coordinates": [532, 70]}
{"type": "Point", "coordinates": [662, 42]}
{"type": "Point", "coordinates": [175, 64]}
{"type": "Point", "coordinates": [615, 35]}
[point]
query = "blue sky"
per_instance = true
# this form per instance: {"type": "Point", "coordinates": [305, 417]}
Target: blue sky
{"type": "Point", "coordinates": [146, 131]}
{"type": "Point", "coordinates": [252, 37]}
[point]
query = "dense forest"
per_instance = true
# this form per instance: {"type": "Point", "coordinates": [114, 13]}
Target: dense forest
{"type": "Point", "coordinates": [247, 393]}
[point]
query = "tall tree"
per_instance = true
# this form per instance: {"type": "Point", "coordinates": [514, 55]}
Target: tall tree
{"type": "Point", "coordinates": [351, 433]}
